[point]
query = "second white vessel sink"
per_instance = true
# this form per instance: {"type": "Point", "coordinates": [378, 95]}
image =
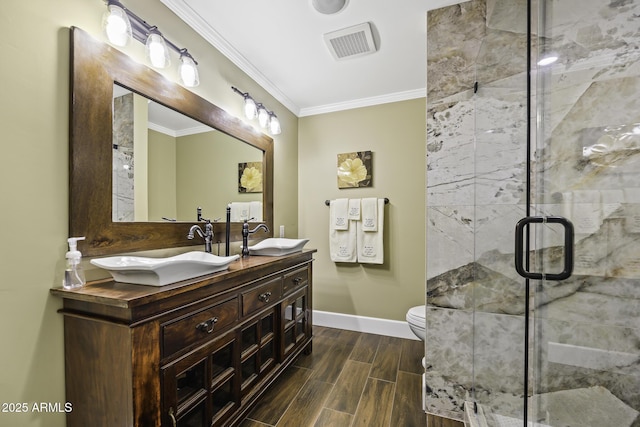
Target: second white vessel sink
{"type": "Point", "coordinates": [277, 246]}
{"type": "Point", "coordinates": [163, 271]}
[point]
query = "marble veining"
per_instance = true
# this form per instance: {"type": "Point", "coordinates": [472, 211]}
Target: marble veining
{"type": "Point", "coordinates": [585, 165]}
{"type": "Point", "coordinates": [123, 208]}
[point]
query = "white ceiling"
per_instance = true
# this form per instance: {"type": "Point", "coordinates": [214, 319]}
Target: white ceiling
{"type": "Point", "coordinates": [279, 43]}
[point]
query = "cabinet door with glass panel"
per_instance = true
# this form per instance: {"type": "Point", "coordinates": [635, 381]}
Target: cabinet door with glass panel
{"type": "Point", "coordinates": [296, 328]}
{"type": "Point", "coordinates": [203, 388]}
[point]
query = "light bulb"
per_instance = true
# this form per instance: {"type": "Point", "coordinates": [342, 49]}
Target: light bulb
{"type": "Point", "coordinates": [157, 51]}
{"type": "Point", "coordinates": [116, 25]}
{"type": "Point", "coordinates": [274, 125]}
{"type": "Point", "coordinates": [189, 71]}
{"type": "Point", "coordinates": [250, 109]}
{"type": "Point", "coordinates": [263, 116]}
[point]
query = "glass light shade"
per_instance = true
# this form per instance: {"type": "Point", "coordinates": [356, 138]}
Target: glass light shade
{"type": "Point", "coordinates": [274, 125]}
{"type": "Point", "coordinates": [189, 71]}
{"type": "Point", "coordinates": [263, 116]}
{"type": "Point", "coordinates": [250, 109]}
{"type": "Point", "coordinates": [116, 25]}
{"type": "Point", "coordinates": [157, 51]}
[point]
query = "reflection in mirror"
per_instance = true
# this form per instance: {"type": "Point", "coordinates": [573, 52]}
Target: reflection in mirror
{"type": "Point", "coordinates": [166, 165]}
{"type": "Point", "coordinates": [95, 68]}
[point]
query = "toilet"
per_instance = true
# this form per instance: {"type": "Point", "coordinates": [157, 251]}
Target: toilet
{"type": "Point", "coordinates": [416, 318]}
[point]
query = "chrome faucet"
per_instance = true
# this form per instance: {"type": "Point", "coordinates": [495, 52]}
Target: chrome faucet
{"type": "Point", "coordinates": [245, 235]}
{"type": "Point", "coordinates": [207, 234]}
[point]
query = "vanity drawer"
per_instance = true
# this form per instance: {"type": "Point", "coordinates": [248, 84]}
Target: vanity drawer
{"type": "Point", "coordinates": [261, 296]}
{"type": "Point", "coordinates": [295, 279]}
{"type": "Point", "coordinates": [198, 327]}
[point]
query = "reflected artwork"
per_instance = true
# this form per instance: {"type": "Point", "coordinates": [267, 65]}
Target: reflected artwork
{"type": "Point", "coordinates": [250, 177]}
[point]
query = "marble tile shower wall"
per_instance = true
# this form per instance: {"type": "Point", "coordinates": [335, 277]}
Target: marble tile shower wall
{"type": "Point", "coordinates": [122, 172]}
{"type": "Point", "coordinates": [476, 184]}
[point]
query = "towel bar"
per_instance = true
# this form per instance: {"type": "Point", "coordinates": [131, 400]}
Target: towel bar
{"type": "Point", "coordinates": [328, 202]}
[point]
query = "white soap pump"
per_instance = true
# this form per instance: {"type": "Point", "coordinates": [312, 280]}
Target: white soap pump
{"type": "Point", "coordinates": [73, 273]}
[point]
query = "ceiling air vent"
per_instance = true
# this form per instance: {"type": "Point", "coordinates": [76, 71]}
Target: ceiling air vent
{"type": "Point", "coordinates": [351, 42]}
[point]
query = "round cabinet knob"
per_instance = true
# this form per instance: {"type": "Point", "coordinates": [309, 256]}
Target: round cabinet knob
{"type": "Point", "coordinates": [265, 297]}
{"type": "Point", "coordinates": [208, 325]}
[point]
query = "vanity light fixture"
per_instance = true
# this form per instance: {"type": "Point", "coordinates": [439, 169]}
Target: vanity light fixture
{"type": "Point", "coordinates": [188, 70]}
{"type": "Point", "coordinates": [263, 116]}
{"type": "Point", "coordinates": [120, 25]}
{"type": "Point", "coordinates": [274, 124]}
{"type": "Point", "coordinates": [157, 51]}
{"type": "Point", "coordinates": [253, 109]}
{"type": "Point", "coordinates": [116, 24]}
{"type": "Point", "coordinates": [250, 107]}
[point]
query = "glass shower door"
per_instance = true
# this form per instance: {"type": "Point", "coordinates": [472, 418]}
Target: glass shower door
{"type": "Point", "coordinates": [585, 330]}
{"type": "Point", "coordinates": [500, 201]}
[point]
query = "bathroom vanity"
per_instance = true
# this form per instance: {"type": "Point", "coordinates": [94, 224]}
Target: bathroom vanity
{"type": "Point", "coordinates": [195, 353]}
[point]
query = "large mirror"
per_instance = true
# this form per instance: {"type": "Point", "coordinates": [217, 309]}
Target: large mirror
{"type": "Point", "coordinates": [145, 196]}
{"type": "Point", "coordinates": [161, 158]}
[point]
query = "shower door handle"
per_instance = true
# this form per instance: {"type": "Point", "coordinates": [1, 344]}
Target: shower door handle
{"type": "Point", "coordinates": [568, 247]}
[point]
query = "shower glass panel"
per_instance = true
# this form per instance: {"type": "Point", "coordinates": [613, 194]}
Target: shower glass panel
{"type": "Point", "coordinates": [500, 199]}
{"type": "Point", "coordinates": [585, 334]}
{"type": "Point", "coordinates": [510, 137]}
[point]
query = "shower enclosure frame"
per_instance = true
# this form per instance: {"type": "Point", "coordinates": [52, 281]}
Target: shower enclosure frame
{"type": "Point", "coordinates": [571, 332]}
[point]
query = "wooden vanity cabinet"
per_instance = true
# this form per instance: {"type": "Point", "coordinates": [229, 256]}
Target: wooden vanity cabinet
{"type": "Point", "coordinates": [196, 353]}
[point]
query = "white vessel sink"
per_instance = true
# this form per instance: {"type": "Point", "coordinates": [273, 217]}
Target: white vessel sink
{"type": "Point", "coordinates": [163, 271]}
{"type": "Point", "coordinates": [277, 246]}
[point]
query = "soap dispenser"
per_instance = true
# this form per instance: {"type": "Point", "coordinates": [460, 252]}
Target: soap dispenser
{"type": "Point", "coordinates": [73, 273]}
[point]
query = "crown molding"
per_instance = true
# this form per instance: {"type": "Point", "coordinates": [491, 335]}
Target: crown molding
{"type": "Point", "coordinates": [364, 102]}
{"type": "Point", "coordinates": [188, 15]}
{"type": "Point", "coordinates": [184, 12]}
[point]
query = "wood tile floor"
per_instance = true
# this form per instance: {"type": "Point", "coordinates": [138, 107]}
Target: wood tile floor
{"type": "Point", "coordinates": [351, 379]}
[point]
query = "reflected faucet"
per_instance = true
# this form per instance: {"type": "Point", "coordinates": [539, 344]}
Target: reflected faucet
{"type": "Point", "coordinates": [207, 234]}
{"type": "Point", "coordinates": [245, 235]}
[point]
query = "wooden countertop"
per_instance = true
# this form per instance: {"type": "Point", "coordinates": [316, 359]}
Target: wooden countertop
{"type": "Point", "coordinates": [125, 295]}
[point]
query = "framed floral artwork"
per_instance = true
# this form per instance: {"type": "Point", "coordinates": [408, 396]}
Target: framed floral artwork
{"type": "Point", "coordinates": [250, 177]}
{"type": "Point", "coordinates": [355, 169]}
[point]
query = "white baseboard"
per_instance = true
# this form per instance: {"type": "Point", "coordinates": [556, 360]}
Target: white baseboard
{"type": "Point", "coordinates": [370, 325]}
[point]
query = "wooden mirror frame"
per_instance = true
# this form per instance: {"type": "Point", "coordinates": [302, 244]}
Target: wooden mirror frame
{"type": "Point", "coordinates": [95, 67]}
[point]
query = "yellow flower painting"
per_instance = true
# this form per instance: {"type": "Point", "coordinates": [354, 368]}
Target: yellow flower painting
{"type": "Point", "coordinates": [354, 169]}
{"type": "Point", "coordinates": [250, 177]}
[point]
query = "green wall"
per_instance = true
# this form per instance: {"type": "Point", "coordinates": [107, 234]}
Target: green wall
{"type": "Point", "coordinates": [395, 133]}
{"type": "Point", "coordinates": [34, 42]}
{"type": "Point", "coordinates": [162, 176]}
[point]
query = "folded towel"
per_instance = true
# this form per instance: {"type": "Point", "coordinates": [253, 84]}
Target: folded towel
{"type": "Point", "coordinates": [338, 214]}
{"type": "Point", "coordinates": [369, 211]}
{"type": "Point", "coordinates": [342, 244]}
{"type": "Point", "coordinates": [255, 211]}
{"type": "Point", "coordinates": [240, 211]}
{"type": "Point", "coordinates": [354, 209]}
{"type": "Point", "coordinates": [370, 243]}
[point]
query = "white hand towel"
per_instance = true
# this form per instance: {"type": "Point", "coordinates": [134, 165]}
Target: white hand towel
{"type": "Point", "coordinates": [370, 243]}
{"type": "Point", "coordinates": [369, 212]}
{"type": "Point", "coordinates": [338, 214]}
{"type": "Point", "coordinates": [240, 211]}
{"type": "Point", "coordinates": [342, 244]}
{"type": "Point", "coordinates": [354, 209]}
{"type": "Point", "coordinates": [255, 211]}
